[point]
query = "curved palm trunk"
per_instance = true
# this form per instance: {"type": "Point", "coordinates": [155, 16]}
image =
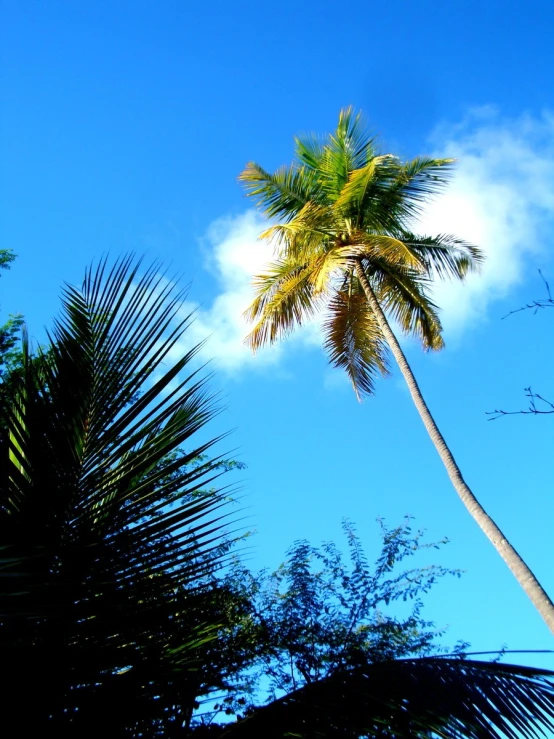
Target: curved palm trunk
{"type": "Point", "coordinates": [525, 577]}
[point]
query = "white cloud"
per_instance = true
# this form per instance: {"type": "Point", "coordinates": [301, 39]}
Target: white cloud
{"type": "Point", "coordinates": [501, 198]}
{"type": "Point", "coordinates": [233, 255]}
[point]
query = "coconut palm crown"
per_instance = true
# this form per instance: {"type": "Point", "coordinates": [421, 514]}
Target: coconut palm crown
{"type": "Point", "coordinates": [347, 212]}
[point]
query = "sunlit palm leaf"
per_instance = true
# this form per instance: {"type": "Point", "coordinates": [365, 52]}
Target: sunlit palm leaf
{"type": "Point", "coordinates": [283, 193]}
{"type": "Point", "coordinates": [285, 299]}
{"type": "Point", "coordinates": [309, 150]}
{"type": "Point", "coordinates": [445, 255]}
{"type": "Point", "coordinates": [348, 149]}
{"type": "Point", "coordinates": [403, 294]}
{"type": "Point", "coordinates": [399, 190]}
{"type": "Point", "coordinates": [329, 267]}
{"type": "Point", "coordinates": [385, 249]}
{"type": "Point", "coordinates": [309, 231]}
{"type": "Point", "coordinates": [353, 340]}
{"type": "Point", "coordinates": [350, 141]}
{"type": "Point", "coordinates": [365, 186]}
{"type": "Point", "coordinates": [420, 179]}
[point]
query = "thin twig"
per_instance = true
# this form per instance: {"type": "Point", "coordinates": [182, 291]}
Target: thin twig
{"type": "Point", "coordinates": [544, 408]}
{"type": "Point", "coordinates": [536, 305]}
{"type": "Point", "coordinates": [538, 405]}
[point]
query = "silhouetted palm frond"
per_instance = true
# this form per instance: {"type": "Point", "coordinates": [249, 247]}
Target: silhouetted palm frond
{"type": "Point", "coordinates": [427, 697]}
{"type": "Point", "coordinates": [107, 533]}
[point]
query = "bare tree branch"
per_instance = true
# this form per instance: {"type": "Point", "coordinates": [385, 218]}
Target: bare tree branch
{"type": "Point", "coordinates": [538, 406]}
{"type": "Point", "coordinates": [536, 305]}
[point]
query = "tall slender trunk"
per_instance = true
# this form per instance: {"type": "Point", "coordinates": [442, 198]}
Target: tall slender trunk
{"type": "Point", "coordinates": [523, 574]}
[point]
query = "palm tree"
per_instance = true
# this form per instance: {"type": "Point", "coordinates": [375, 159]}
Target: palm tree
{"type": "Point", "coordinates": [345, 245]}
{"type": "Point", "coordinates": [111, 532]}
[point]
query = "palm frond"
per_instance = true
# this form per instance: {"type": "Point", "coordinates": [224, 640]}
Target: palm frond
{"type": "Point", "coordinates": [109, 528]}
{"type": "Point", "coordinates": [353, 339]}
{"type": "Point", "coordinates": [402, 293]}
{"type": "Point", "coordinates": [285, 299]}
{"type": "Point", "coordinates": [348, 149]}
{"type": "Point", "coordinates": [86, 428]}
{"type": "Point", "coordinates": [18, 470]}
{"type": "Point", "coordinates": [450, 698]}
{"type": "Point", "coordinates": [383, 248]}
{"type": "Point", "coordinates": [283, 193]}
{"type": "Point", "coordinates": [307, 232]}
{"type": "Point", "coordinates": [329, 267]}
{"type": "Point", "coordinates": [423, 177]}
{"type": "Point", "coordinates": [361, 195]}
{"type": "Point", "coordinates": [415, 183]}
{"type": "Point", "coordinates": [444, 255]}
{"type": "Point", "coordinates": [309, 150]}
{"type": "Point", "coordinates": [352, 138]}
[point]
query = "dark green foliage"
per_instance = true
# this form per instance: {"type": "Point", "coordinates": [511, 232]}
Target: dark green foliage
{"type": "Point", "coordinates": [110, 535]}
{"type": "Point", "coordinates": [9, 331]}
{"type": "Point", "coordinates": [321, 614]}
{"type": "Point", "coordinates": [6, 258]}
{"type": "Point", "coordinates": [9, 339]}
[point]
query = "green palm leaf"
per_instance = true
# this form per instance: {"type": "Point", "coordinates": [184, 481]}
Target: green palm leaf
{"type": "Point", "coordinates": [107, 527]}
{"type": "Point", "coordinates": [353, 340]}
{"type": "Point", "coordinates": [286, 298]}
{"type": "Point", "coordinates": [445, 255]}
{"type": "Point", "coordinates": [310, 150]}
{"type": "Point", "coordinates": [402, 292]}
{"type": "Point", "coordinates": [365, 185]}
{"type": "Point", "coordinates": [283, 193]}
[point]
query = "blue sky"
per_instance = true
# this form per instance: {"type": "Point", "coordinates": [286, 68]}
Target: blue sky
{"type": "Point", "coordinates": [124, 127]}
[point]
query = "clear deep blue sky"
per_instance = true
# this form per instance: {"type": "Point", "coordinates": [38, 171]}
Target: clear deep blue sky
{"type": "Point", "coordinates": [124, 126]}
